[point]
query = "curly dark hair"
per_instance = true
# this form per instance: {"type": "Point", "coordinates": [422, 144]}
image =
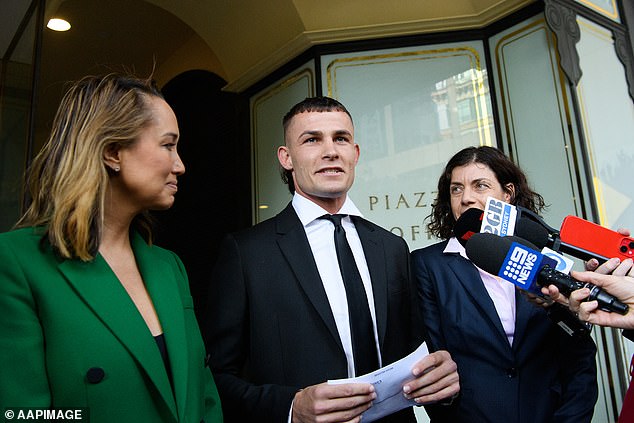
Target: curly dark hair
{"type": "Point", "coordinates": [441, 218]}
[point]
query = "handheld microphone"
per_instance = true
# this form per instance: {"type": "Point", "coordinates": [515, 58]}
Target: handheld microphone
{"type": "Point", "coordinates": [471, 220]}
{"type": "Point", "coordinates": [578, 238]}
{"type": "Point", "coordinates": [469, 223]}
{"type": "Point", "coordinates": [514, 260]}
{"type": "Point", "coordinates": [578, 246]}
{"type": "Point", "coordinates": [475, 220]}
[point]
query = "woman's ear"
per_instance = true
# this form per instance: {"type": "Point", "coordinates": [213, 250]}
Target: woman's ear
{"type": "Point", "coordinates": [509, 191]}
{"type": "Point", "coordinates": [111, 157]}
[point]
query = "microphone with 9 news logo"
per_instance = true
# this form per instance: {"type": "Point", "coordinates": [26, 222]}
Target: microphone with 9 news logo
{"type": "Point", "coordinates": [517, 261]}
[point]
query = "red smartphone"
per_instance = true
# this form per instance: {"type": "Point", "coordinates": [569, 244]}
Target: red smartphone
{"type": "Point", "coordinates": [594, 240]}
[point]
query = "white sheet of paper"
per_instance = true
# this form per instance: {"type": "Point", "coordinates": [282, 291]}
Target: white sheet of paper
{"type": "Point", "coordinates": [388, 384]}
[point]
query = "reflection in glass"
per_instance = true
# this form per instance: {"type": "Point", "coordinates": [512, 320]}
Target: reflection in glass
{"type": "Point", "coordinates": [608, 119]}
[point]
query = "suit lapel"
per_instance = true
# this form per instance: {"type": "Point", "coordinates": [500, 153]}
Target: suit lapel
{"type": "Point", "coordinates": [523, 311]}
{"type": "Point", "coordinates": [469, 277]}
{"type": "Point", "coordinates": [100, 289]}
{"type": "Point", "coordinates": [294, 245]}
{"type": "Point", "coordinates": [374, 252]}
{"type": "Point", "coordinates": [160, 281]}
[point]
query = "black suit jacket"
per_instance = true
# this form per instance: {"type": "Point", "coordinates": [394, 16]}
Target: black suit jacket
{"type": "Point", "coordinates": [545, 376]}
{"type": "Point", "coordinates": [270, 330]}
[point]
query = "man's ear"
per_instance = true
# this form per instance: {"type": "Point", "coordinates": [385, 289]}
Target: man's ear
{"type": "Point", "coordinates": [284, 157]}
{"type": "Point", "coordinates": [111, 157]}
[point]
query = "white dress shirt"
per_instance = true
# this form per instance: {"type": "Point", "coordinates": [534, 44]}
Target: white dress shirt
{"type": "Point", "coordinates": [320, 233]}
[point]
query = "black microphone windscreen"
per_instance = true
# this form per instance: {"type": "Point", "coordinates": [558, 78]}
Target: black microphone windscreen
{"type": "Point", "coordinates": [532, 232]}
{"type": "Point", "coordinates": [468, 223]}
{"type": "Point", "coordinates": [488, 251]}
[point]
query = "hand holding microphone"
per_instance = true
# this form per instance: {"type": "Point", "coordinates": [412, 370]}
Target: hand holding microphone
{"type": "Point", "coordinates": [612, 265]}
{"type": "Point", "coordinates": [621, 286]}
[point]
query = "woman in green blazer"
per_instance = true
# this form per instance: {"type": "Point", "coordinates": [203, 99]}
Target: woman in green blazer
{"type": "Point", "coordinates": [93, 315]}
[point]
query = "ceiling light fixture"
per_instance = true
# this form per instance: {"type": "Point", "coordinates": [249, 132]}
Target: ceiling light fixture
{"type": "Point", "coordinates": [58, 25]}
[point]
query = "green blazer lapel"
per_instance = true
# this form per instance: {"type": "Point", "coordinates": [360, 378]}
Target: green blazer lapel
{"type": "Point", "coordinates": [161, 282]}
{"type": "Point", "coordinates": [100, 289]}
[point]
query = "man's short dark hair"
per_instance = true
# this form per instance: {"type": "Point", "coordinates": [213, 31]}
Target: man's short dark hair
{"type": "Point", "coordinates": [314, 104]}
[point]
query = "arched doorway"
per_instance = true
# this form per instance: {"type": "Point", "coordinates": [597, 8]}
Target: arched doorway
{"type": "Point", "coordinates": [213, 194]}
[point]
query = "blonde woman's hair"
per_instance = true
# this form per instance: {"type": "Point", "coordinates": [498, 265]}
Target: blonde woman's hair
{"type": "Point", "coordinates": [68, 178]}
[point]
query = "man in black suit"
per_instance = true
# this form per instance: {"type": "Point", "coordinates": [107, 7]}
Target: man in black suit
{"type": "Point", "coordinates": [279, 323]}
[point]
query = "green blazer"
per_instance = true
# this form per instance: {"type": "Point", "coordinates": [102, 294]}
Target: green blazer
{"type": "Point", "coordinates": [70, 336]}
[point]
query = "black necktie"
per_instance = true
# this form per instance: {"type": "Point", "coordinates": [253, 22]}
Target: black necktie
{"type": "Point", "coordinates": [361, 327]}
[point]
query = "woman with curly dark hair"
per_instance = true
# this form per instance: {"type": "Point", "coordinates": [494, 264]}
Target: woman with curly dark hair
{"type": "Point", "coordinates": [510, 177]}
{"type": "Point", "coordinates": [506, 347]}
